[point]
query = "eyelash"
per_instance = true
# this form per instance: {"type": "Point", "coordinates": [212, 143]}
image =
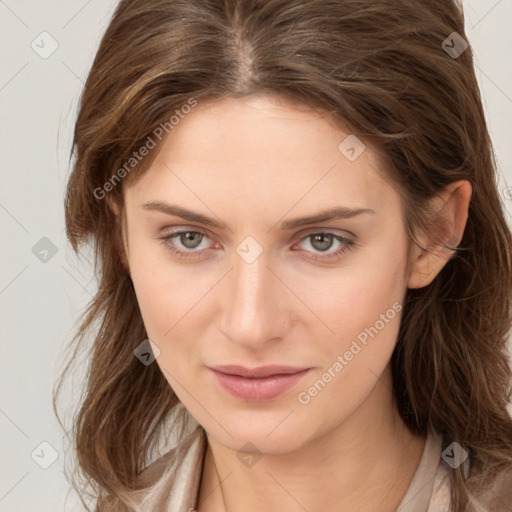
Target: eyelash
{"type": "Point", "coordinates": [166, 240]}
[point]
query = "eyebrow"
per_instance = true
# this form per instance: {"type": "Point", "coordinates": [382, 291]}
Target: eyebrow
{"type": "Point", "coordinates": [323, 216]}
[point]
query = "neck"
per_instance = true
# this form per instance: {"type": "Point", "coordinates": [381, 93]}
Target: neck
{"type": "Point", "coordinates": [364, 464]}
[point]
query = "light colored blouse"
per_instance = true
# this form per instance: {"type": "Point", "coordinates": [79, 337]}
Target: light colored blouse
{"type": "Point", "coordinates": [172, 482]}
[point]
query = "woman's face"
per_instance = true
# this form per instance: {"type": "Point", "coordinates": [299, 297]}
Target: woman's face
{"type": "Point", "coordinates": [257, 281]}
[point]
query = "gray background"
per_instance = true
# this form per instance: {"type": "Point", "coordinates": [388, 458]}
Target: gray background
{"type": "Point", "coordinates": [42, 293]}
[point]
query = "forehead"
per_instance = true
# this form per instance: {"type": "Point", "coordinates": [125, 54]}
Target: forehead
{"type": "Point", "coordinates": [262, 149]}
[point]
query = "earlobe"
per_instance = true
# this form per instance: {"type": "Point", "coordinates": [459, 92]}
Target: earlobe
{"type": "Point", "coordinates": [450, 210]}
{"type": "Point", "coordinates": [427, 265]}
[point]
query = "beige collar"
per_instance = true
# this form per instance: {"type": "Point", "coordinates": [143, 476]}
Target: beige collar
{"type": "Point", "coordinates": [172, 482]}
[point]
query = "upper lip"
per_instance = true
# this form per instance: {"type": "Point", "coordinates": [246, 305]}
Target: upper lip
{"type": "Point", "coordinates": [260, 371]}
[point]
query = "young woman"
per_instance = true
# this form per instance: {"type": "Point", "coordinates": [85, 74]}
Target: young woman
{"type": "Point", "coordinates": [304, 266]}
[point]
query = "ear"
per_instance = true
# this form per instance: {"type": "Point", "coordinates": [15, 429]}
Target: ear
{"type": "Point", "coordinates": [121, 241]}
{"type": "Point", "coordinates": [450, 210]}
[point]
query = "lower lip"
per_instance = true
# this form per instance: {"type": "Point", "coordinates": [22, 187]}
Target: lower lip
{"type": "Point", "coordinates": [259, 389]}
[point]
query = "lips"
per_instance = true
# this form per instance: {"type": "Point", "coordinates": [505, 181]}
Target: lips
{"type": "Point", "coordinates": [257, 384]}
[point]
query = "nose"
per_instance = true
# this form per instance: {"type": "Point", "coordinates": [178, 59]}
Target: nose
{"type": "Point", "coordinates": [256, 307]}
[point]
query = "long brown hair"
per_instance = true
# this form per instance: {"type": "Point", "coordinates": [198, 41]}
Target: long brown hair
{"type": "Point", "coordinates": [395, 73]}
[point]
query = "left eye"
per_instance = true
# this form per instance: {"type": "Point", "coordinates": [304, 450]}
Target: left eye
{"type": "Point", "coordinates": [192, 240]}
{"type": "Point", "coordinates": [322, 242]}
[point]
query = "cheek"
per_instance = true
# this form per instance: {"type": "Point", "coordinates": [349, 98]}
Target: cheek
{"type": "Point", "coordinates": [366, 320]}
{"type": "Point", "coordinates": [160, 293]}
{"type": "Point", "coordinates": [379, 280]}
{"type": "Point", "coordinates": [362, 307]}
{"type": "Point", "coordinates": [353, 297]}
{"type": "Point", "coordinates": [171, 300]}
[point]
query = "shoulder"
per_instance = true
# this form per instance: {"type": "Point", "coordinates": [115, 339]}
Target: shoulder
{"type": "Point", "coordinates": [187, 454]}
{"type": "Point", "coordinates": [171, 482]}
{"type": "Point", "coordinates": [496, 497]}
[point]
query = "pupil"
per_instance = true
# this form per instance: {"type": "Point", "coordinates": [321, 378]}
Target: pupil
{"type": "Point", "coordinates": [326, 243]}
{"type": "Point", "coordinates": [189, 239]}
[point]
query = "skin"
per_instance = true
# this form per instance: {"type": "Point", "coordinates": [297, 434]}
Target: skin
{"type": "Point", "coordinates": [253, 163]}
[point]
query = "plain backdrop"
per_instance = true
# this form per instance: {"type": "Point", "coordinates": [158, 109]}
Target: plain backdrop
{"type": "Point", "coordinates": [47, 48]}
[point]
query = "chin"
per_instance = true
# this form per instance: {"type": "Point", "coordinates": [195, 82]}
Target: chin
{"type": "Point", "coordinates": [276, 433]}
